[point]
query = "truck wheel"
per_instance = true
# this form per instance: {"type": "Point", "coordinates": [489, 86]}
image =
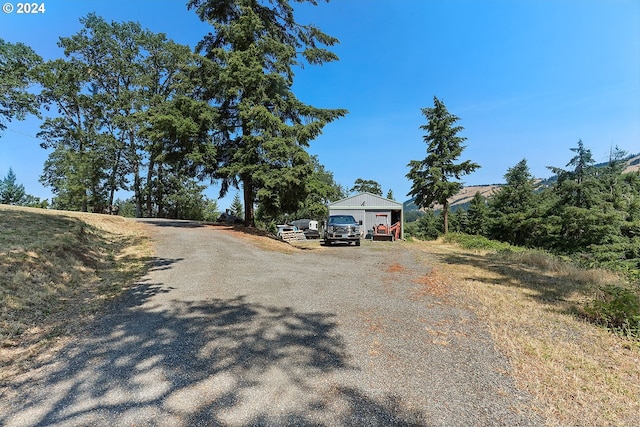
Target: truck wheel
{"type": "Point", "coordinates": [357, 242]}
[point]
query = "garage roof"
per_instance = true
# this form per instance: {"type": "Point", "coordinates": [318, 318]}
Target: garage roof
{"type": "Point", "coordinates": [366, 201]}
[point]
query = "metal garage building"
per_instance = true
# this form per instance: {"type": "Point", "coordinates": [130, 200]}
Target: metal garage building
{"type": "Point", "coordinates": [369, 209]}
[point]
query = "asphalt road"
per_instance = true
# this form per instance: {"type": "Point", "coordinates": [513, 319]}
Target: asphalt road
{"type": "Point", "coordinates": [223, 333]}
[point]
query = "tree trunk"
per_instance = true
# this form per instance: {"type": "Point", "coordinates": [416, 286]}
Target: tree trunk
{"type": "Point", "coordinates": [160, 192]}
{"type": "Point", "coordinates": [149, 190]}
{"type": "Point", "coordinates": [247, 186]}
{"type": "Point", "coordinates": [137, 190]}
{"type": "Point", "coordinates": [114, 177]}
{"type": "Point", "coordinates": [445, 213]}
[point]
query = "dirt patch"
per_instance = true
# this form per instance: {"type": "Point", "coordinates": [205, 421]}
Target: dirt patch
{"type": "Point", "coordinates": [433, 284]}
{"type": "Point", "coordinates": [395, 268]}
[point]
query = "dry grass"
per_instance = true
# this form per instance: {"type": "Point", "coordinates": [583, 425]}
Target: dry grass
{"type": "Point", "coordinates": [57, 270]}
{"type": "Point", "coordinates": [577, 373]}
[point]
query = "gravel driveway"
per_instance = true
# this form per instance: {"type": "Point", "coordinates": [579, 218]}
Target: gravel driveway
{"type": "Point", "coordinates": [223, 333]}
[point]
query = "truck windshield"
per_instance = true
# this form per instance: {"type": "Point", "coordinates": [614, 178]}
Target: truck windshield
{"type": "Point", "coordinates": [341, 219]}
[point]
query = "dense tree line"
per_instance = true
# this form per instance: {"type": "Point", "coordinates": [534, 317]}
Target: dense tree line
{"type": "Point", "coordinates": [589, 212]}
{"type": "Point", "coordinates": [592, 213]}
{"type": "Point", "coordinates": [128, 109]}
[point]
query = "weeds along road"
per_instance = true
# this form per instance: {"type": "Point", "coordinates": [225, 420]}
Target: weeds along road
{"type": "Point", "coordinates": [223, 333]}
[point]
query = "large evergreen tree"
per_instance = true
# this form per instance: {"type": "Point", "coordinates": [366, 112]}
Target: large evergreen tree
{"type": "Point", "coordinates": [433, 177]}
{"type": "Point", "coordinates": [578, 186]}
{"type": "Point", "coordinates": [254, 46]}
{"type": "Point", "coordinates": [71, 169]}
{"type": "Point", "coordinates": [511, 204]}
{"type": "Point", "coordinates": [581, 213]}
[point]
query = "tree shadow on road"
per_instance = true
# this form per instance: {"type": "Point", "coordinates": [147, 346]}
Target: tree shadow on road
{"type": "Point", "coordinates": [215, 362]}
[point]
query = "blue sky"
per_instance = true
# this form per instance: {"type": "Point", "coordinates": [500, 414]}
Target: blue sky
{"type": "Point", "coordinates": [528, 79]}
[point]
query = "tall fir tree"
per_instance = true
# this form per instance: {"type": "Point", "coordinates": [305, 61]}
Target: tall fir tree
{"type": "Point", "coordinates": [433, 177]}
{"type": "Point", "coordinates": [511, 204]}
{"type": "Point", "coordinates": [254, 47]}
{"type": "Point", "coordinates": [582, 215]}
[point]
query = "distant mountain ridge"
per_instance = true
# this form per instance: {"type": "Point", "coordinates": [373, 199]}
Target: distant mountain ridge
{"type": "Point", "coordinates": [461, 199]}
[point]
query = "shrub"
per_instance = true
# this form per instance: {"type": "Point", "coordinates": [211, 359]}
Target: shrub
{"type": "Point", "coordinates": [616, 308]}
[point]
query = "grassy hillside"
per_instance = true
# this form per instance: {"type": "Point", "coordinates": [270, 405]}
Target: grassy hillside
{"type": "Point", "coordinates": [57, 269]}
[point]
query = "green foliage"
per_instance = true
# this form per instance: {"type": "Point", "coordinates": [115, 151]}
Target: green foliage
{"type": "Point", "coordinates": [517, 194]}
{"type": "Point", "coordinates": [184, 199]}
{"type": "Point", "coordinates": [253, 49]}
{"type": "Point", "coordinates": [236, 206]}
{"type": "Point", "coordinates": [591, 213]}
{"type": "Point", "coordinates": [11, 193]}
{"type": "Point", "coordinates": [35, 202]}
{"type": "Point", "coordinates": [18, 68]}
{"type": "Point", "coordinates": [427, 227]}
{"type": "Point", "coordinates": [576, 187]}
{"type": "Point", "coordinates": [511, 206]}
{"type": "Point", "coordinates": [477, 215]}
{"type": "Point", "coordinates": [458, 221]}
{"type": "Point", "coordinates": [321, 189]}
{"type": "Point", "coordinates": [411, 216]}
{"type": "Point", "coordinates": [432, 177]}
{"type": "Point", "coordinates": [126, 208]}
{"type": "Point", "coordinates": [125, 106]}
{"type": "Point", "coordinates": [616, 308]}
{"type": "Point", "coordinates": [210, 212]}
{"type": "Point", "coordinates": [366, 186]}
